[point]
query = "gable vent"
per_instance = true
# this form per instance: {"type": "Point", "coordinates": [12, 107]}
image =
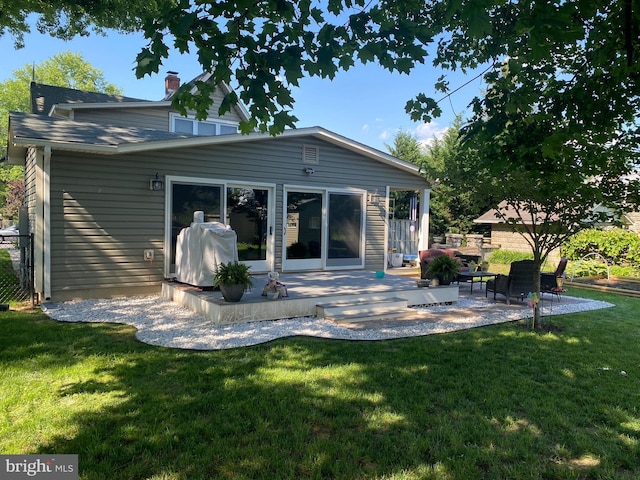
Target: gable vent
{"type": "Point", "coordinates": [310, 154]}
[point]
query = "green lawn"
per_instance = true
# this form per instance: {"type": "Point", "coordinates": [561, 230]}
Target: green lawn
{"type": "Point", "coordinates": [499, 402]}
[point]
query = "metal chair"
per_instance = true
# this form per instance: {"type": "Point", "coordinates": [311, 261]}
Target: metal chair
{"type": "Point", "coordinates": [517, 284]}
{"type": "Point", "coordinates": [549, 280]}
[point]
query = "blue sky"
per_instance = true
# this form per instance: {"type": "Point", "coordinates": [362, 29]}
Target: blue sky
{"type": "Point", "coordinates": [365, 104]}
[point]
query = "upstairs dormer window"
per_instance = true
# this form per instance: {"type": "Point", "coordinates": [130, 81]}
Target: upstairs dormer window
{"type": "Point", "coordinates": [196, 127]}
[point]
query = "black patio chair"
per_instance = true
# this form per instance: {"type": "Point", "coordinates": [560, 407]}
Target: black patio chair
{"type": "Point", "coordinates": [549, 280]}
{"type": "Point", "coordinates": [518, 284]}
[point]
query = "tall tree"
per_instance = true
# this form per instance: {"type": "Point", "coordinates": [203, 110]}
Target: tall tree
{"type": "Point", "coordinates": [454, 171]}
{"type": "Point", "coordinates": [65, 69]}
{"type": "Point", "coordinates": [553, 193]}
{"type": "Point", "coordinates": [405, 147]}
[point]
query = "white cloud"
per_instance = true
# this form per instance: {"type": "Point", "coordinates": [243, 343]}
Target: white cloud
{"type": "Point", "coordinates": [385, 134]}
{"type": "Point", "coordinates": [426, 132]}
{"type": "Point", "coordinates": [365, 127]}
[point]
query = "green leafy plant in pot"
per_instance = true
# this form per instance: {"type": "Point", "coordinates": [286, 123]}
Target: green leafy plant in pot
{"type": "Point", "coordinates": [233, 279]}
{"type": "Point", "coordinates": [444, 268]}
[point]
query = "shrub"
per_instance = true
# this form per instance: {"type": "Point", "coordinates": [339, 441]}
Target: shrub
{"type": "Point", "coordinates": [624, 271]}
{"type": "Point", "coordinates": [617, 246]}
{"type": "Point", "coordinates": [589, 268]}
{"type": "Point", "coordinates": [444, 267]}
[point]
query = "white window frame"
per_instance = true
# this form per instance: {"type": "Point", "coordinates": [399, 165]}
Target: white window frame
{"type": "Point", "coordinates": [324, 223]}
{"type": "Point", "coordinates": [268, 264]}
{"type": "Point", "coordinates": [217, 123]}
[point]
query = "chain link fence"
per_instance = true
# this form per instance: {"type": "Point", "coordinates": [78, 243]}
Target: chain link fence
{"type": "Point", "coordinates": [16, 270]}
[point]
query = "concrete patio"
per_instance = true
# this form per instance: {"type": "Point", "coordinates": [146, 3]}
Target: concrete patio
{"type": "Point", "coordinates": [349, 298]}
{"type": "Point", "coordinates": [354, 292]}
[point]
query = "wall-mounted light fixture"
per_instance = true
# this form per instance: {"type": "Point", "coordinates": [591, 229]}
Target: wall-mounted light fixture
{"type": "Point", "coordinates": [156, 184]}
{"type": "Point", "coordinates": [309, 170]}
{"type": "Point", "coordinates": [374, 197]}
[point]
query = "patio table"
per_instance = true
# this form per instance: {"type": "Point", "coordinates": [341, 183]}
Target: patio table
{"type": "Point", "coordinates": [472, 276]}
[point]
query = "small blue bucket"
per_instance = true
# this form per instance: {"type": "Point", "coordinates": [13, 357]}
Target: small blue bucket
{"type": "Point", "coordinates": [379, 274]}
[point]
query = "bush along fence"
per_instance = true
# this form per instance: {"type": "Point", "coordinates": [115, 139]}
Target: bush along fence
{"type": "Point", "coordinates": [16, 270]}
{"type": "Point", "coordinates": [590, 249]}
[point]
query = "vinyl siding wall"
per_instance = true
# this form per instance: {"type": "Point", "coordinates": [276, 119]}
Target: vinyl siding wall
{"type": "Point", "coordinates": [30, 186]}
{"type": "Point", "coordinates": [31, 202]}
{"type": "Point", "coordinates": [155, 118]}
{"type": "Point", "coordinates": [104, 215]}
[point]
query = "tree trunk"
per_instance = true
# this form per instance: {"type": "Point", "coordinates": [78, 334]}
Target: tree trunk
{"type": "Point", "coordinates": [537, 264]}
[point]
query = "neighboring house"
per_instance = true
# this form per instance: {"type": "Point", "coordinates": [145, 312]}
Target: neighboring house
{"type": "Point", "coordinates": [503, 235]}
{"type": "Point", "coordinates": [308, 199]}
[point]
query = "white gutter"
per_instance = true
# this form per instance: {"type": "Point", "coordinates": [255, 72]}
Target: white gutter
{"type": "Point", "coordinates": [25, 142]}
{"type": "Point", "coordinates": [46, 220]}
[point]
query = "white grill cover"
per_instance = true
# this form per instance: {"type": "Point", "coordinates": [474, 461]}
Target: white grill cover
{"type": "Point", "coordinates": [200, 248]}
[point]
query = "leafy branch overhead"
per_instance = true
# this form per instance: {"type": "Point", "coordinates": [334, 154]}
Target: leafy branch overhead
{"type": "Point", "coordinates": [574, 58]}
{"type": "Point", "coordinates": [265, 47]}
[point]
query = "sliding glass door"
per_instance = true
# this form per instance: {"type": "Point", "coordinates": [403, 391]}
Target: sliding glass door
{"type": "Point", "coordinates": [303, 232]}
{"type": "Point", "coordinates": [324, 229]}
{"type": "Point", "coordinates": [249, 213]}
{"type": "Point", "coordinates": [247, 208]}
{"type": "Point", "coordinates": [345, 235]}
{"type": "Point", "coordinates": [187, 198]}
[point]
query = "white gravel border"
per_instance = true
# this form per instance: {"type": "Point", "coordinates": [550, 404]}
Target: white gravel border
{"type": "Point", "coordinates": [161, 322]}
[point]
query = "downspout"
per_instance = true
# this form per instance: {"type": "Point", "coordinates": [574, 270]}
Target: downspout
{"type": "Point", "coordinates": [46, 220]}
{"type": "Point", "coordinates": [423, 239]}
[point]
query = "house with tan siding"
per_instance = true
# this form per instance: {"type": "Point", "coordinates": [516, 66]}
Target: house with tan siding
{"type": "Point", "coordinates": [510, 237]}
{"type": "Point", "coordinates": [111, 181]}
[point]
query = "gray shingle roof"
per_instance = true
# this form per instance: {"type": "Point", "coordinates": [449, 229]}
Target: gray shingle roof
{"type": "Point", "coordinates": [43, 97]}
{"type": "Point", "coordinates": [61, 131]}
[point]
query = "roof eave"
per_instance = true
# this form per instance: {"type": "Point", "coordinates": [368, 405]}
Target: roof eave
{"type": "Point", "coordinates": [108, 105]}
{"type": "Point", "coordinates": [20, 146]}
{"type": "Point", "coordinates": [150, 145]}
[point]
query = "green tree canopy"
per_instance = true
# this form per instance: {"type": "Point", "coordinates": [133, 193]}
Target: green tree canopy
{"type": "Point", "coordinates": [455, 174]}
{"type": "Point", "coordinates": [586, 51]}
{"type": "Point", "coordinates": [452, 172]}
{"type": "Point", "coordinates": [65, 69]}
{"type": "Point", "coordinates": [405, 147]}
{"type": "Point", "coordinates": [67, 18]}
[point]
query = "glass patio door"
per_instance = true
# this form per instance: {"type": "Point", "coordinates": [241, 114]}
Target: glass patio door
{"type": "Point", "coordinates": [187, 198]}
{"type": "Point", "coordinates": [345, 239]}
{"type": "Point", "coordinates": [249, 213]}
{"type": "Point", "coordinates": [303, 230]}
{"type": "Point", "coordinates": [324, 229]}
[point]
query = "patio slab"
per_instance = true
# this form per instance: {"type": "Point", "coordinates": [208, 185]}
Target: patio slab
{"type": "Point", "coordinates": [305, 292]}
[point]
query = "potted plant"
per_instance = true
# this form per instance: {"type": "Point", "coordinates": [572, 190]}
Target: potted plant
{"type": "Point", "coordinates": [444, 268]}
{"type": "Point", "coordinates": [233, 279]}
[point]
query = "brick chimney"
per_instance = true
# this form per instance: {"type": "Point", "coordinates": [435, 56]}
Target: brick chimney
{"type": "Point", "coordinates": [171, 83]}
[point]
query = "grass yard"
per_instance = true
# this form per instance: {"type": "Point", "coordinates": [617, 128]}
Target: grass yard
{"type": "Point", "coordinates": [499, 402]}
